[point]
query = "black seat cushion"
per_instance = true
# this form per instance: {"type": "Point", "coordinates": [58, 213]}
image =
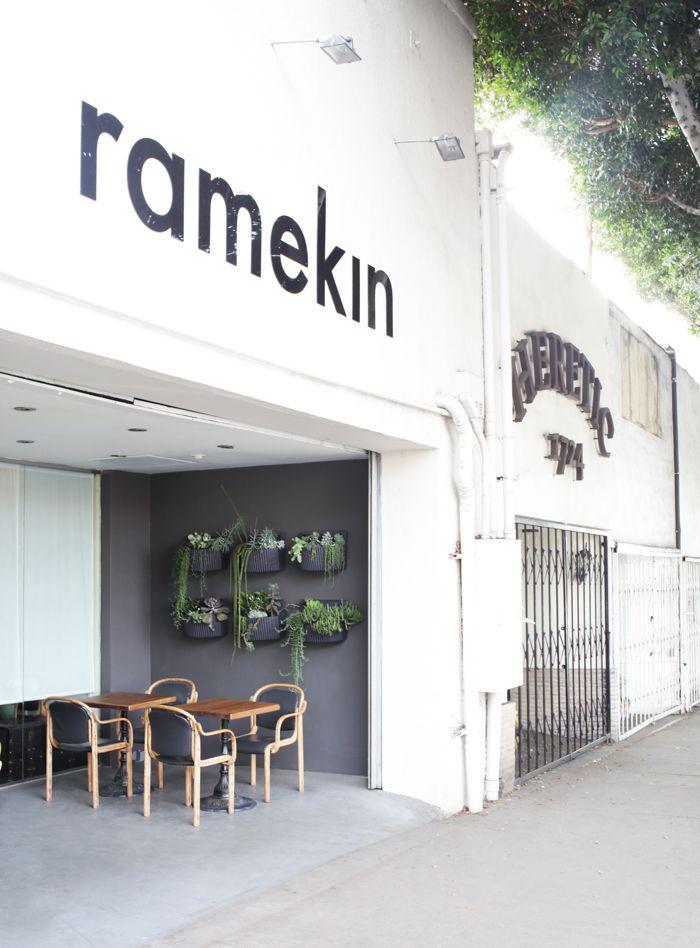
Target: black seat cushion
{"type": "Point", "coordinates": [288, 700]}
{"type": "Point", "coordinates": [177, 761]}
{"type": "Point", "coordinates": [70, 723]}
{"type": "Point", "coordinates": [255, 743]}
{"type": "Point", "coordinates": [85, 745]}
{"type": "Point", "coordinates": [171, 735]}
{"type": "Point", "coordinates": [180, 689]}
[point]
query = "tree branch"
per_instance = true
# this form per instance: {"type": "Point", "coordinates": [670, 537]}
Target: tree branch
{"type": "Point", "coordinates": [677, 94]}
{"type": "Point", "coordinates": [656, 198]}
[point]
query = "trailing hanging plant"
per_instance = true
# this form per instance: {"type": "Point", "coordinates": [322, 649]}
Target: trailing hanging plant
{"type": "Point", "coordinates": [319, 550]}
{"type": "Point", "coordinates": [186, 557]}
{"type": "Point", "coordinates": [256, 606]}
{"type": "Point", "coordinates": [181, 572]}
{"type": "Point", "coordinates": [255, 541]}
{"type": "Point", "coordinates": [325, 619]}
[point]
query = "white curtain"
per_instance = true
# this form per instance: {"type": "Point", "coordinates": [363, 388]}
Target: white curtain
{"type": "Point", "coordinates": [10, 585]}
{"type": "Point", "coordinates": [51, 647]}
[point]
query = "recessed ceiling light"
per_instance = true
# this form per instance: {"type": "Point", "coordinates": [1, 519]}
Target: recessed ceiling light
{"type": "Point", "coordinates": [24, 408]}
{"type": "Point", "coordinates": [118, 455]}
{"type": "Point", "coordinates": [227, 447]}
{"type": "Point", "coordinates": [137, 429]}
{"type": "Point", "coordinates": [24, 441]}
{"type": "Point", "coordinates": [198, 457]}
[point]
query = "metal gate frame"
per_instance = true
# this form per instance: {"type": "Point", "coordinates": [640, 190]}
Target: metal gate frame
{"type": "Point", "coordinates": [690, 632]}
{"type": "Point", "coordinates": [564, 703]}
{"type": "Point", "coordinates": [644, 682]}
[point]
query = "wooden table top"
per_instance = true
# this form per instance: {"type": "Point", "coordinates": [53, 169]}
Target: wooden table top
{"type": "Point", "coordinates": [128, 700]}
{"type": "Point", "coordinates": [228, 708]}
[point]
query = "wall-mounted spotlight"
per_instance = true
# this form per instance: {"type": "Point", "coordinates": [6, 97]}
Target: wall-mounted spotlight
{"type": "Point", "coordinates": [447, 144]}
{"type": "Point", "coordinates": [341, 49]}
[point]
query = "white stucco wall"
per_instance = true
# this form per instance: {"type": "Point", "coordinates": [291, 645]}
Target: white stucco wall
{"type": "Point", "coordinates": [276, 123]}
{"type": "Point", "coordinates": [689, 450]}
{"type": "Point", "coordinates": [630, 493]}
{"type": "Point", "coordinates": [138, 313]}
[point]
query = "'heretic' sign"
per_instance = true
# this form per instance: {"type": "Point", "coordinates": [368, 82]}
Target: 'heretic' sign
{"type": "Point", "coordinates": [542, 361]}
{"type": "Point", "coordinates": [288, 247]}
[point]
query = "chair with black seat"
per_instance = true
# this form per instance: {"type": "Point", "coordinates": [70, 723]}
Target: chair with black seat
{"type": "Point", "coordinates": [184, 690]}
{"type": "Point", "coordinates": [266, 736]}
{"type": "Point", "coordinates": [73, 726]}
{"type": "Point", "coordinates": [174, 736]}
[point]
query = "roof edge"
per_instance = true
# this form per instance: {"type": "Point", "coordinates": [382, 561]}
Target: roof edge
{"type": "Point", "coordinates": [458, 9]}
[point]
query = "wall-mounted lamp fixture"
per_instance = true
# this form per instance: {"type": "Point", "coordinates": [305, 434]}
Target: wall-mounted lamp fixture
{"type": "Point", "coordinates": [447, 144]}
{"type": "Point", "coordinates": [340, 48]}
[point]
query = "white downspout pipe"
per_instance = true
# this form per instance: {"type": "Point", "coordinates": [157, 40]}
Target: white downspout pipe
{"type": "Point", "coordinates": [472, 731]}
{"type": "Point", "coordinates": [486, 465]}
{"type": "Point", "coordinates": [484, 150]}
{"type": "Point", "coordinates": [504, 327]}
{"type": "Point", "coordinates": [494, 700]}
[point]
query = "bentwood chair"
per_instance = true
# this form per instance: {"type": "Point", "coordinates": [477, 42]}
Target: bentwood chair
{"type": "Point", "coordinates": [275, 730]}
{"type": "Point", "coordinates": [174, 736]}
{"type": "Point", "coordinates": [72, 725]}
{"type": "Point", "coordinates": [184, 690]}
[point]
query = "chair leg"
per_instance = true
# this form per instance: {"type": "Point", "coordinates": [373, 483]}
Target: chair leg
{"type": "Point", "coordinates": [161, 776]}
{"type": "Point", "coordinates": [300, 755]}
{"type": "Point", "coordinates": [147, 784]}
{"type": "Point", "coordinates": [129, 772]}
{"type": "Point", "coordinates": [95, 781]}
{"type": "Point", "coordinates": [196, 790]}
{"type": "Point", "coordinates": [49, 769]}
{"type": "Point", "coordinates": [89, 775]}
{"type": "Point", "coordinates": [253, 770]}
{"type": "Point", "coordinates": [231, 785]}
{"type": "Point", "coordinates": [188, 786]}
{"type": "Point", "coordinates": [266, 776]}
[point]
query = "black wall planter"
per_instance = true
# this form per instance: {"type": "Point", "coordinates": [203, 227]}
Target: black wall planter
{"type": "Point", "coordinates": [202, 630]}
{"type": "Point", "coordinates": [316, 564]}
{"type": "Point", "coordinates": [313, 638]}
{"type": "Point", "coordinates": [265, 630]}
{"type": "Point", "coordinates": [206, 561]}
{"type": "Point", "coordinates": [266, 561]}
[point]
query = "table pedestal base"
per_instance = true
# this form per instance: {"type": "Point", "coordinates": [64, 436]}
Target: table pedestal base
{"type": "Point", "coordinates": [217, 804]}
{"type": "Point", "coordinates": [116, 789]}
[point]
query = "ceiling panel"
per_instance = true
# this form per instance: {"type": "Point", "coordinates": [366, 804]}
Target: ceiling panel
{"type": "Point", "coordinates": [72, 429]}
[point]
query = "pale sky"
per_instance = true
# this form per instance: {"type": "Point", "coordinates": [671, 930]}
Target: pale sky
{"type": "Point", "coordinates": [538, 188]}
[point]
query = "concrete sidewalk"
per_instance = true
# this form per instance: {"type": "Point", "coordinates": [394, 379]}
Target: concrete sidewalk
{"type": "Point", "coordinates": [603, 851]}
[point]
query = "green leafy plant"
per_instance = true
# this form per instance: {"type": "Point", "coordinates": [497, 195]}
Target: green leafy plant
{"type": "Point", "coordinates": [320, 617]}
{"type": "Point", "coordinates": [205, 611]}
{"type": "Point", "coordinates": [181, 572]}
{"type": "Point", "coordinates": [254, 539]}
{"type": "Point", "coordinates": [330, 546]}
{"type": "Point", "coordinates": [615, 89]}
{"type": "Point", "coordinates": [265, 539]}
{"type": "Point", "coordinates": [200, 541]}
{"type": "Point", "coordinates": [222, 542]}
{"type": "Point", "coordinates": [257, 605]}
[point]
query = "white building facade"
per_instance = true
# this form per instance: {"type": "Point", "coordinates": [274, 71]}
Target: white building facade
{"type": "Point", "coordinates": [216, 225]}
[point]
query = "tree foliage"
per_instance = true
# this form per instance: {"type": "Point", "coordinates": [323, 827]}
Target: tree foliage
{"type": "Point", "coordinates": [599, 80]}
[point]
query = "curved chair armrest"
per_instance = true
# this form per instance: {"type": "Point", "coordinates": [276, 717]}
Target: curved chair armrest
{"type": "Point", "coordinates": [278, 725]}
{"type": "Point", "coordinates": [219, 730]}
{"type": "Point", "coordinates": [128, 723]}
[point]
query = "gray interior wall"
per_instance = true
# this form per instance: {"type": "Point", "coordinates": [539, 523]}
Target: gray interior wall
{"type": "Point", "coordinates": [125, 582]}
{"type": "Point", "coordinates": [291, 499]}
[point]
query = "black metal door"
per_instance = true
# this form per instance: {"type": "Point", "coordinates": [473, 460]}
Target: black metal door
{"type": "Point", "coordinates": [563, 704]}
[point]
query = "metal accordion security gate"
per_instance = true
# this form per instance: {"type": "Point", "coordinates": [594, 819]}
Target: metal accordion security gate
{"type": "Point", "coordinates": [563, 703]}
{"type": "Point", "coordinates": [657, 636]}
